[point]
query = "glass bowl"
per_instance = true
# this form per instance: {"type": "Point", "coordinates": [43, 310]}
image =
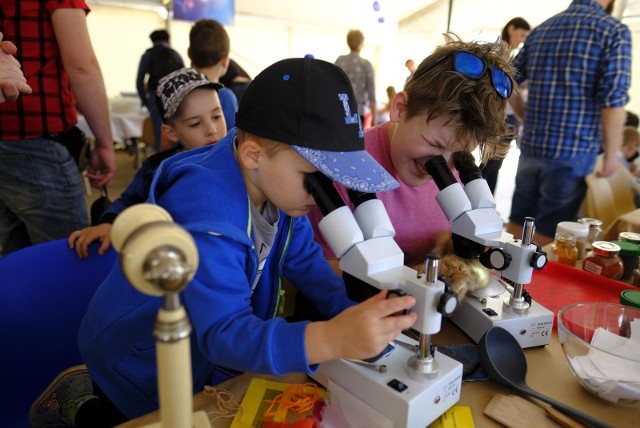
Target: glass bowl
{"type": "Point", "coordinates": [595, 340]}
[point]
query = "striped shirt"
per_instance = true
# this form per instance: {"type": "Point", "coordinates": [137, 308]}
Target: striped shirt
{"type": "Point", "coordinates": [51, 106]}
{"type": "Point", "coordinates": [576, 63]}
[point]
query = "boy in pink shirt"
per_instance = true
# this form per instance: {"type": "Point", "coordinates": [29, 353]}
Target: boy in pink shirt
{"type": "Point", "coordinates": [455, 101]}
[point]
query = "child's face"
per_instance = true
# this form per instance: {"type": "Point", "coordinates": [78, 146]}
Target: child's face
{"type": "Point", "coordinates": [279, 178]}
{"type": "Point", "coordinates": [629, 149]}
{"type": "Point", "coordinates": [415, 141]}
{"type": "Point", "coordinates": [199, 120]}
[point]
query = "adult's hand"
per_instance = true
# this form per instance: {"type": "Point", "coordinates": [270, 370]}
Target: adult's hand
{"type": "Point", "coordinates": [12, 80]}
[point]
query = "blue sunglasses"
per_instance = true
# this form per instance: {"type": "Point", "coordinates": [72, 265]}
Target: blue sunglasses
{"type": "Point", "coordinates": [473, 66]}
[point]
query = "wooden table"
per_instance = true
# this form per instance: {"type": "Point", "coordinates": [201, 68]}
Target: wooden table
{"type": "Point", "coordinates": [548, 374]}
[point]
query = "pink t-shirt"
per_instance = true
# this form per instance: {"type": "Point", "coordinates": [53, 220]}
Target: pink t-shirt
{"type": "Point", "coordinates": [414, 211]}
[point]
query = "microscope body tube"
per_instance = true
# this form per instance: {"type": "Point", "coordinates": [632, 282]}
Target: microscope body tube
{"type": "Point", "coordinates": [341, 230]}
{"type": "Point", "coordinates": [373, 219]}
{"type": "Point", "coordinates": [479, 194]}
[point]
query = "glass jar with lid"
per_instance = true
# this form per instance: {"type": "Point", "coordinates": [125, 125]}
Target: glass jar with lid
{"type": "Point", "coordinates": [595, 230]}
{"type": "Point", "coordinates": [579, 230]}
{"type": "Point", "coordinates": [564, 249]}
{"type": "Point", "coordinates": [629, 253]}
{"type": "Point", "coordinates": [603, 259]}
{"type": "Point", "coordinates": [629, 237]}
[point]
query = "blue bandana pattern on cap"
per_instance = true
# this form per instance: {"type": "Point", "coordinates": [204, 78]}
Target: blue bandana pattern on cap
{"type": "Point", "coordinates": [354, 170]}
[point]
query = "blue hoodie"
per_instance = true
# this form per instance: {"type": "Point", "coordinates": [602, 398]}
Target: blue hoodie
{"type": "Point", "coordinates": [204, 191]}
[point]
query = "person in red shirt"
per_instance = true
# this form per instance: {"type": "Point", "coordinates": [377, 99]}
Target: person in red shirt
{"type": "Point", "coordinates": [41, 190]}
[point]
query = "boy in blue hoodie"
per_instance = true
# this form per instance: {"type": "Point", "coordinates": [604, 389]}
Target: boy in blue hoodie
{"type": "Point", "coordinates": [196, 121]}
{"type": "Point", "coordinates": [244, 202]}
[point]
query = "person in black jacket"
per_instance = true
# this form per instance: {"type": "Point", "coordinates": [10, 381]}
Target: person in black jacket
{"type": "Point", "coordinates": [155, 63]}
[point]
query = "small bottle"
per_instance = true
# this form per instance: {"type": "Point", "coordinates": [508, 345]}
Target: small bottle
{"type": "Point", "coordinates": [564, 249]}
{"type": "Point", "coordinates": [603, 260]}
{"type": "Point", "coordinates": [595, 230]}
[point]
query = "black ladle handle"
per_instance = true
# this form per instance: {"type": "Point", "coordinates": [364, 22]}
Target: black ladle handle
{"type": "Point", "coordinates": [505, 362]}
{"type": "Point", "coordinates": [569, 411]}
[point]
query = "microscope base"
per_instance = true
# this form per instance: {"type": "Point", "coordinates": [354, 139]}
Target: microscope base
{"type": "Point", "coordinates": [200, 420]}
{"type": "Point", "coordinates": [418, 405]}
{"type": "Point", "coordinates": [531, 328]}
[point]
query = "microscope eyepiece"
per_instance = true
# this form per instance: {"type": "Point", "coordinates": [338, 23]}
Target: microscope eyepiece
{"type": "Point", "coordinates": [439, 170]}
{"type": "Point", "coordinates": [465, 163]}
{"type": "Point", "coordinates": [359, 197]}
{"type": "Point", "coordinates": [321, 188]}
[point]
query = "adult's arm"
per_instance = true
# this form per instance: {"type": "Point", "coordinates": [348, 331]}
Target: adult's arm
{"type": "Point", "coordinates": [516, 101]}
{"type": "Point", "coordinates": [612, 125]}
{"type": "Point", "coordinates": [85, 76]}
{"type": "Point", "coordinates": [12, 80]}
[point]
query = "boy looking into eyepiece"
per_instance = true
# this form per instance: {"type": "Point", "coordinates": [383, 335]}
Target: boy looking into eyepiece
{"type": "Point", "coordinates": [192, 116]}
{"type": "Point", "coordinates": [244, 202]}
{"type": "Point", "coordinates": [455, 101]}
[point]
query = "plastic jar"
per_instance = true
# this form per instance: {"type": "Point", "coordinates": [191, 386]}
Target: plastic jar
{"type": "Point", "coordinates": [603, 260]}
{"type": "Point", "coordinates": [629, 253]}
{"type": "Point", "coordinates": [564, 249]}
{"type": "Point", "coordinates": [595, 230]}
{"type": "Point", "coordinates": [579, 230]}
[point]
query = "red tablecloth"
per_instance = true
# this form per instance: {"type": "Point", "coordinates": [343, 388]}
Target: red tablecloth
{"type": "Point", "coordinates": [558, 285]}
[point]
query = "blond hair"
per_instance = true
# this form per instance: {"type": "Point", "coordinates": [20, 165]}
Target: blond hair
{"type": "Point", "coordinates": [437, 90]}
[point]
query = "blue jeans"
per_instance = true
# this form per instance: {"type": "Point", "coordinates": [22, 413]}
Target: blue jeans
{"type": "Point", "coordinates": [41, 194]}
{"type": "Point", "coordinates": [549, 191]}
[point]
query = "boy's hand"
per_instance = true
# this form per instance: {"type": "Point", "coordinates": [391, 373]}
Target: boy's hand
{"type": "Point", "coordinates": [81, 239]}
{"type": "Point", "coordinates": [360, 332]}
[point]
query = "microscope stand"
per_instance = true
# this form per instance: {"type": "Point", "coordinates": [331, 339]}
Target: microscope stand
{"type": "Point", "coordinates": [394, 393]}
{"type": "Point", "coordinates": [478, 313]}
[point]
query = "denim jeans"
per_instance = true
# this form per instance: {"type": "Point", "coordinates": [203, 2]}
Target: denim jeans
{"type": "Point", "coordinates": [548, 190]}
{"type": "Point", "coordinates": [41, 194]}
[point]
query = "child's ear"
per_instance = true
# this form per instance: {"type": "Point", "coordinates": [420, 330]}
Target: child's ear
{"type": "Point", "coordinates": [168, 132]}
{"type": "Point", "coordinates": [249, 153]}
{"type": "Point", "coordinates": [398, 105]}
{"type": "Point", "coordinates": [225, 61]}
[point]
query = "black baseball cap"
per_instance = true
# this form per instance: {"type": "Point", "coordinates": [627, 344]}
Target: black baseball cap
{"type": "Point", "coordinates": [309, 104]}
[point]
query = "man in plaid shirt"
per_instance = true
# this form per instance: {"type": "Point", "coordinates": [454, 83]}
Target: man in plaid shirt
{"type": "Point", "coordinates": [41, 190]}
{"type": "Point", "coordinates": [577, 65]}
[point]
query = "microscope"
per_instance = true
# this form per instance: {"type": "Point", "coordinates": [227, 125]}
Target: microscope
{"type": "Point", "coordinates": [415, 384]}
{"type": "Point", "coordinates": [159, 258]}
{"type": "Point", "coordinates": [477, 233]}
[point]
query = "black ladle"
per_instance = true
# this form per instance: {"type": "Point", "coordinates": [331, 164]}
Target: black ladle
{"type": "Point", "coordinates": [504, 361]}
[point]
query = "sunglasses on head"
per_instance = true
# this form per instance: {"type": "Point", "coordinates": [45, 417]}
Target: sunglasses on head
{"type": "Point", "coordinates": [473, 66]}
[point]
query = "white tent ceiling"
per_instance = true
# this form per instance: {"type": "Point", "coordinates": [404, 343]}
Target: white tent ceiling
{"type": "Point", "coordinates": [417, 16]}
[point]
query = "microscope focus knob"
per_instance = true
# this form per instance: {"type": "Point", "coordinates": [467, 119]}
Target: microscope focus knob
{"type": "Point", "coordinates": [538, 260]}
{"type": "Point", "coordinates": [496, 259]}
{"type": "Point", "coordinates": [447, 304]}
